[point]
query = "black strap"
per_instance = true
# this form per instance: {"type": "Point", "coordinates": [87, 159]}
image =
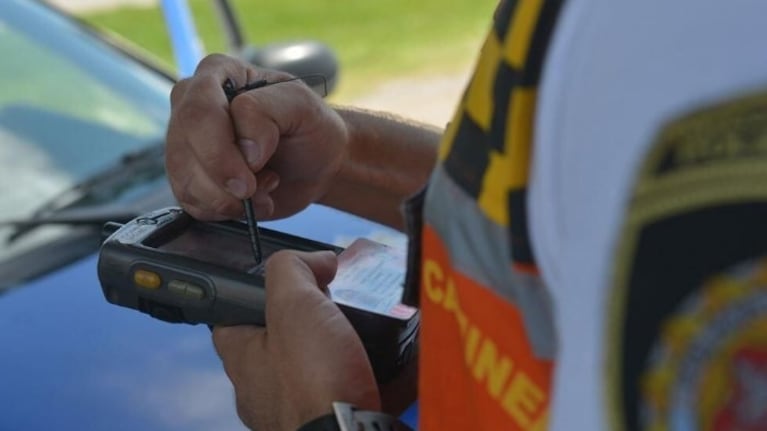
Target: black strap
{"type": "Point", "coordinates": [322, 423]}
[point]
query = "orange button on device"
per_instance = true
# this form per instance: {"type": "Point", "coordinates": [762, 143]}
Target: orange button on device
{"type": "Point", "coordinates": [147, 279]}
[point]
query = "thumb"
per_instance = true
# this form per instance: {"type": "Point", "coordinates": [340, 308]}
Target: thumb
{"type": "Point", "coordinates": [323, 264]}
{"type": "Point", "coordinates": [297, 279]}
{"type": "Point", "coordinates": [288, 266]}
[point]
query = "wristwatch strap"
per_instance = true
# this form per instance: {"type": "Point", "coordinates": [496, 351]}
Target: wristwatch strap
{"type": "Point", "coordinates": [322, 423]}
{"type": "Point", "coordinates": [346, 417]}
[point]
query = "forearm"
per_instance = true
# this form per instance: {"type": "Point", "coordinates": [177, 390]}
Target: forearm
{"type": "Point", "coordinates": [388, 160]}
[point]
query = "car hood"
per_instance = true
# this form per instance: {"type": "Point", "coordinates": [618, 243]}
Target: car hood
{"type": "Point", "coordinates": [71, 359]}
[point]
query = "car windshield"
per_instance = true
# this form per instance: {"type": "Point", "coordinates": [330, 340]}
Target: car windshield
{"type": "Point", "coordinates": [70, 106]}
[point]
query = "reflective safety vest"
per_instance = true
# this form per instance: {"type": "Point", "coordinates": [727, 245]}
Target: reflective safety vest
{"type": "Point", "coordinates": [487, 337]}
{"type": "Point", "coordinates": [647, 211]}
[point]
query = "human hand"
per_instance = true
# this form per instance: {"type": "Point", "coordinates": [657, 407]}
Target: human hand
{"type": "Point", "coordinates": [279, 144]}
{"type": "Point", "coordinates": [306, 357]}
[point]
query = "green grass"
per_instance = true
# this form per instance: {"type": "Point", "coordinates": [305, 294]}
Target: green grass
{"type": "Point", "coordinates": [374, 39]}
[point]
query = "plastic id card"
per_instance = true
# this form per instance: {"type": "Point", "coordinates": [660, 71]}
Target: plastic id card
{"type": "Point", "coordinates": [370, 277]}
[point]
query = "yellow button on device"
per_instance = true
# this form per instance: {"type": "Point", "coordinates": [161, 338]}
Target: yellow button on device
{"type": "Point", "coordinates": [147, 279]}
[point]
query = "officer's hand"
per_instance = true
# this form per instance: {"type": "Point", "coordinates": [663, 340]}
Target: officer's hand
{"type": "Point", "coordinates": [280, 144]}
{"type": "Point", "coordinates": [307, 357]}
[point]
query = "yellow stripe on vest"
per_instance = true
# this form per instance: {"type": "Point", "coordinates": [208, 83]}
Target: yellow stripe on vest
{"type": "Point", "coordinates": [509, 170]}
{"type": "Point", "coordinates": [479, 98]}
{"type": "Point", "coordinates": [517, 42]}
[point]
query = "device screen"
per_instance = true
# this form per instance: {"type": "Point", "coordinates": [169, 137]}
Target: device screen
{"type": "Point", "coordinates": [221, 247]}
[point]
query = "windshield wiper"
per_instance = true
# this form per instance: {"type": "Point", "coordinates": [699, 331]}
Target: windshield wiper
{"type": "Point", "coordinates": [91, 201]}
{"type": "Point", "coordinates": [86, 216]}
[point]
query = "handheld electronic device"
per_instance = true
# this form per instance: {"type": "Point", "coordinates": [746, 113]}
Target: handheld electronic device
{"type": "Point", "coordinates": [177, 269]}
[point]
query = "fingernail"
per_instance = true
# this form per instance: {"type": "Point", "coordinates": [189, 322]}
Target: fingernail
{"type": "Point", "coordinates": [237, 188]}
{"type": "Point", "coordinates": [251, 150]}
{"type": "Point", "coordinates": [269, 183]}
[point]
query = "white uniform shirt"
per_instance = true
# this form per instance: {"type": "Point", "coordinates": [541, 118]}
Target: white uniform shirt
{"type": "Point", "coordinates": [615, 73]}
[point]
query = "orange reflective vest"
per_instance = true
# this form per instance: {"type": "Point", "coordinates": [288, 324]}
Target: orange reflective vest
{"type": "Point", "coordinates": [487, 337]}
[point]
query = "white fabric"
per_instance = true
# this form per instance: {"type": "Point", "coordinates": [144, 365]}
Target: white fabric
{"type": "Point", "coordinates": [617, 71]}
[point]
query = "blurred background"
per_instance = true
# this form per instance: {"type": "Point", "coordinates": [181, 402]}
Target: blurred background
{"type": "Point", "coordinates": [412, 58]}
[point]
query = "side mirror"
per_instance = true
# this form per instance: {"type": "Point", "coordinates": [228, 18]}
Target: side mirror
{"type": "Point", "coordinates": [300, 58]}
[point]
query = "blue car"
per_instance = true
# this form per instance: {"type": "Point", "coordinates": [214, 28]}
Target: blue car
{"type": "Point", "coordinates": [82, 124]}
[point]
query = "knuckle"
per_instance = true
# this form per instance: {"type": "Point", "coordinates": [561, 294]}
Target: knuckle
{"type": "Point", "coordinates": [315, 109]}
{"type": "Point", "coordinates": [212, 60]}
{"type": "Point", "coordinates": [251, 103]}
{"type": "Point", "coordinates": [207, 81]}
{"type": "Point", "coordinates": [244, 105]}
{"type": "Point", "coordinates": [252, 120]}
{"type": "Point", "coordinates": [311, 104]}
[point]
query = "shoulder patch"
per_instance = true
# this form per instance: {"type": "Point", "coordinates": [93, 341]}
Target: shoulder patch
{"type": "Point", "coordinates": [687, 326]}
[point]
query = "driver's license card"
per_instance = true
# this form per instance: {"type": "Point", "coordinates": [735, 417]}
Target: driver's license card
{"type": "Point", "coordinates": [370, 276]}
